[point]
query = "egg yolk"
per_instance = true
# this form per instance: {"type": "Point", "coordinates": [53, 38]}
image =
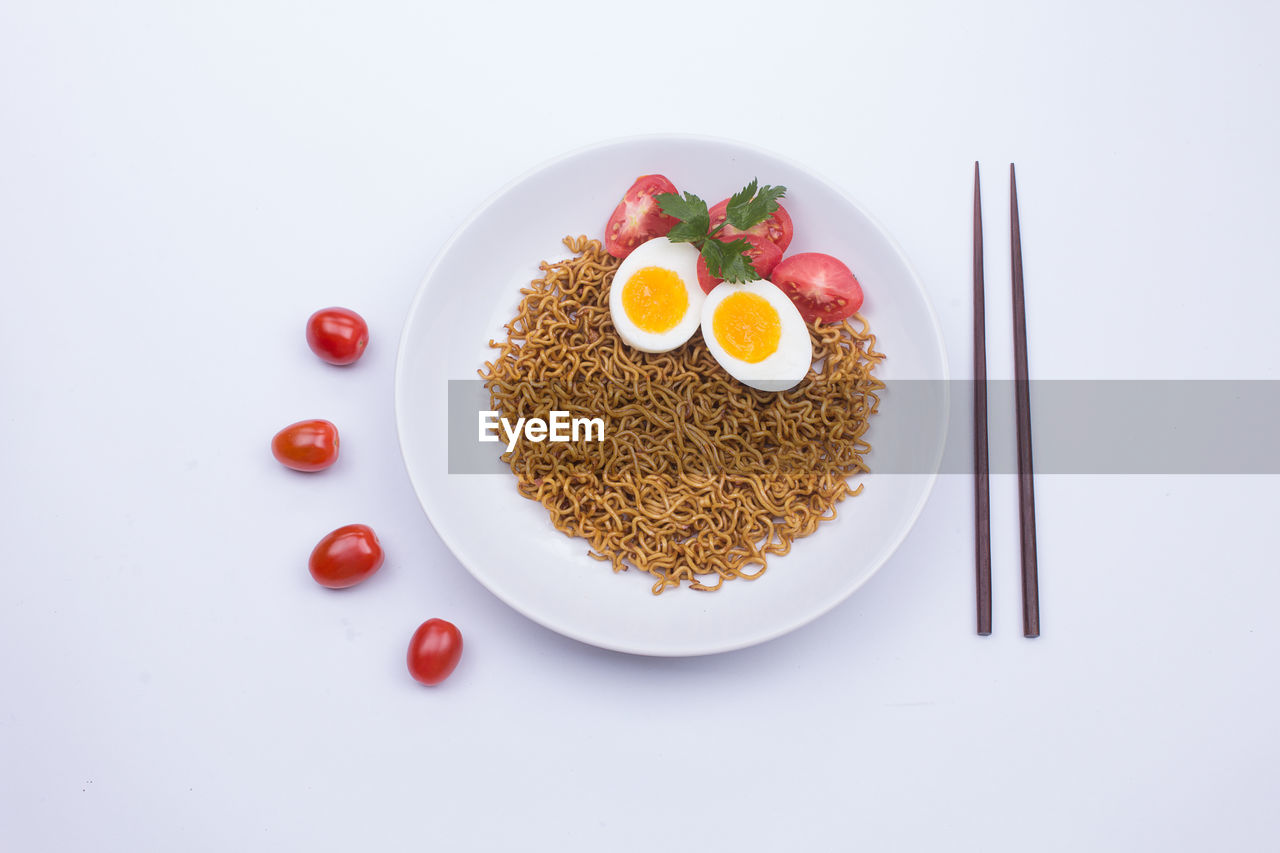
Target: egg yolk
{"type": "Point", "coordinates": [747, 326]}
{"type": "Point", "coordinates": [655, 299]}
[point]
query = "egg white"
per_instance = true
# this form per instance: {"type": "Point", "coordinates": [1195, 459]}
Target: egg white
{"type": "Point", "coordinates": [788, 364]}
{"type": "Point", "coordinates": [679, 258]}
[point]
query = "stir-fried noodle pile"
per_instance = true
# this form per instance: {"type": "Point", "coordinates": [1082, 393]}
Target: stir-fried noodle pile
{"type": "Point", "coordinates": [699, 478]}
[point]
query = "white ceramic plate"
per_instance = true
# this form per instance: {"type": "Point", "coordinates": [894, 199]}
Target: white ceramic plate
{"type": "Point", "coordinates": [508, 543]}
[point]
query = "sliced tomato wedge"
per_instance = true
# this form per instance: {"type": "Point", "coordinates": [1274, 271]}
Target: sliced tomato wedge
{"type": "Point", "coordinates": [821, 286]}
{"type": "Point", "coordinates": [776, 228]}
{"type": "Point", "coordinates": [764, 255]}
{"type": "Point", "coordinates": [638, 218]}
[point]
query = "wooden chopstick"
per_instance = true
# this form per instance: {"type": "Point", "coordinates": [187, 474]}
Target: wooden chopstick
{"type": "Point", "coordinates": [1022, 393]}
{"type": "Point", "coordinates": [981, 463]}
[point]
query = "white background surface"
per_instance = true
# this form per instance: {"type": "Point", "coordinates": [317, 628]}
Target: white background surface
{"type": "Point", "coordinates": [181, 187]}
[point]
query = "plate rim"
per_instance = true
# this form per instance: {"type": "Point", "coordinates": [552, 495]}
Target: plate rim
{"type": "Point", "coordinates": [688, 651]}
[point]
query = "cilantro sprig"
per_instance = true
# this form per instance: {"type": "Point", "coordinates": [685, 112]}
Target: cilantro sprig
{"type": "Point", "coordinates": [747, 208]}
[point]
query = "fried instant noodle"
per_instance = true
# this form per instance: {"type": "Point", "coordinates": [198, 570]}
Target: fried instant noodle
{"type": "Point", "coordinates": [699, 478]}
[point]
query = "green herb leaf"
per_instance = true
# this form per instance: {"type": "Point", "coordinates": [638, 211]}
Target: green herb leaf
{"type": "Point", "coordinates": [738, 267]}
{"type": "Point", "coordinates": [692, 213]}
{"type": "Point", "coordinates": [683, 207]}
{"type": "Point", "coordinates": [750, 207]}
{"type": "Point", "coordinates": [690, 230]}
{"type": "Point", "coordinates": [738, 202]}
{"type": "Point", "coordinates": [710, 252]}
{"type": "Point", "coordinates": [727, 261]}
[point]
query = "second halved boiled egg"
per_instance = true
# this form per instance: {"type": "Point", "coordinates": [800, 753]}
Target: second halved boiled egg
{"type": "Point", "coordinates": [655, 301]}
{"type": "Point", "coordinates": [757, 334]}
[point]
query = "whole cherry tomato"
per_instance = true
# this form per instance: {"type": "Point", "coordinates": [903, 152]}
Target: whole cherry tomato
{"type": "Point", "coordinates": [337, 335]}
{"type": "Point", "coordinates": [306, 445]}
{"type": "Point", "coordinates": [346, 556]}
{"type": "Point", "coordinates": [434, 651]}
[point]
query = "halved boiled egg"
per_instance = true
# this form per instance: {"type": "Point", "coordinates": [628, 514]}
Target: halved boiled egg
{"type": "Point", "coordinates": [757, 334]}
{"type": "Point", "coordinates": [655, 300]}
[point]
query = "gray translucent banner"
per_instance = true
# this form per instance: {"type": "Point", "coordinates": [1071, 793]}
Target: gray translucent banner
{"type": "Point", "coordinates": [1078, 427]}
